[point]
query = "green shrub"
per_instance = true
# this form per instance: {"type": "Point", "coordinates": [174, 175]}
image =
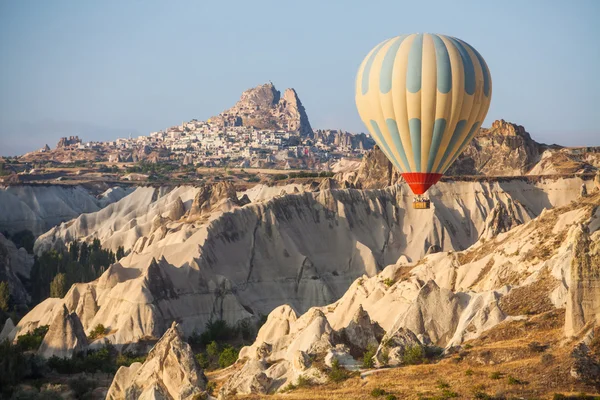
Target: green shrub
{"type": "Point", "coordinates": [212, 350]}
{"type": "Point", "coordinates": [388, 282]}
{"type": "Point", "coordinates": [469, 372]}
{"type": "Point", "coordinates": [81, 385]}
{"type": "Point", "coordinates": [97, 332]}
{"type": "Point", "coordinates": [514, 381]}
{"type": "Point", "coordinates": [25, 239]}
{"type": "Point", "coordinates": [442, 384]}
{"type": "Point", "coordinates": [336, 373]}
{"type": "Point", "coordinates": [303, 382]}
{"type": "Point", "coordinates": [391, 397]}
{"type": "Point", "coordinates": [210, 387]}
{"type": "Point", "coordinates": [228, 357]}
{"type": "Point", "coordinates": [368, 355]}
{"type": "Point", "coordinates": [218, 330]}
{"type": "Point", "coordinates": [413, 355]}
{"type": "Point", "coordinates": [127, 358]}
{"type": "Point", "coordinates": [495, 375]}
{"type": "Point", "coordinates": [377, 392]}
{"type": "Point", "coordinates": [202, 360]}
{"type": "Point", "coordinates": [32, 340]}
{"type": "Point", "coordinates": [448, 394]}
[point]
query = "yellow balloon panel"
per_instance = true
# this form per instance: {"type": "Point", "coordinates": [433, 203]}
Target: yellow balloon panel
{"type": "Point", "coordinates": [423, 98]}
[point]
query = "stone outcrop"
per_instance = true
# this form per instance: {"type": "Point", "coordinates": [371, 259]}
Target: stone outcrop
{"type": "Point", "coordinates": [65, 336]}
{"type": "Point", "coordinates": [15, 265]}
{"type": "Point", "coordinates": [505, 149]}
{"type": "Point", "coordinates": [361, 333]}
{"type": "Point", "coordinates": [263, 107]}
{"type": "Point", "coordinates": [209, 197]}
{"type": "Point", "coordinates": [281, 353]}
{"type": "Point", "coordinates": [390, 352]}
{"type": "Point", "coordinates": [583, 301]}
{"type": "Point", "coordinates": [169, 372]}
{"type": "Point", "coordinates": [376, 171]}
{"type": "Point", "coordinates": [176, 210]}
{"type": "Point", "coordinates": [504, 217]}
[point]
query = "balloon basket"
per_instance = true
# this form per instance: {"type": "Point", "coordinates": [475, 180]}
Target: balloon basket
{"type": "Point", "coordinates": [420, 203]}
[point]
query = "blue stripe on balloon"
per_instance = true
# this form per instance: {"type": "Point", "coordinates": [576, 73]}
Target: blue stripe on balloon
{"type": "Point", "coordinates": [415, 62]}
{"type": "Point", "coordinates": [383, 144]}
{"type": "Point", "coordinates": [387, 68]}
{"type": "Point", "coordinates": [484, 69]}
{"type": "Point", "coordinates": [467, 66]}
{"type": "Point", "coordinates": [460, 127]}
{"type": "Point", "coordinates": [414, 125]}
{"type": "Point", "coordinates": [393, 128]}
{"type": "Point", "coordinates": [368, 65]}
{"type": "Point", "coordinates": [444, 68]}
{"type": "Point", "coordinates": [439, 126]}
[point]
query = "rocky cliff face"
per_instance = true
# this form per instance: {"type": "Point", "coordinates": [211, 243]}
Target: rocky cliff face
{"type": "Point", "coordinates": [39, 208]}
{"type": "Point", "coordinates": [583, 302]}
{"type": "Point", "coordinates": [15, 265]}
{"type": "Point", "coordinates": [65, 336]}
{"type": "Point", "coordinates": [505, 149]}
{"type": "Point", "coordinates": [263, 107]}
{"type": "Point", "coordinates": [444, 299]}
{"type": "Point", "coordinates": [302, 249]}
{"type": "Point", "coordinates": [169, 372]}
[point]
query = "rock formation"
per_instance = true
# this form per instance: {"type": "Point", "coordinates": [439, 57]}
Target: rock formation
{"type": "Point", "coordinates": [505, 149]}
{"type": "Point", "coordinates": [444, 299]}
{"type": "Point", "coordinates": [361, 333]}
{"type": "Point", "coordinates": [169, 372]}
{"type": "Point", "coordinates": [263, 107]}
{"type": "Point", "coordinates": [583, 301]}
{"type": "Point", "coordinates": [65, 336]}
{"type": "Point", "coordinates": [7, 329]}
{"type": "Point", "coordinates": [303, 249]}
{"type": "Point", "coordinates": [282, 352]}
{"type": "Point", "coordinates": [390, 352]}
{"type": "Point", "coordinates": [15, 265]}
{"type": "Point", "coordinates": [39, 208]}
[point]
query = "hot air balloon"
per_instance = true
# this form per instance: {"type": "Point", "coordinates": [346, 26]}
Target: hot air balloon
{"type": "Point", "coordinates": [423, 98]}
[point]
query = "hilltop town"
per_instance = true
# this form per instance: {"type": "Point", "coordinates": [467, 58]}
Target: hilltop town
{"type": "Point", "coordinates": [262, 130]}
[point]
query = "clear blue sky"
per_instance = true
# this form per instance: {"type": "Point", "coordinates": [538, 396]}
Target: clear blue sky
{"type": "Point", "coordinates": [102, 69]}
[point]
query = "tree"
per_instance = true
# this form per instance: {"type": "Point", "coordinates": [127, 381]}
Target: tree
{"type": "Point", "coordinates": [58, 286]}
{"type": "Point", "coordinates": [120, 252]}
{"type": "Point", "coordinates": [4, 296]}
{"type": "Point", "coordinates": [25, 239]}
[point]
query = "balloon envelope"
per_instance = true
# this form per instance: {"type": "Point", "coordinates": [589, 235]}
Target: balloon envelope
{"type": "Point", "coordinates": [423, 98]}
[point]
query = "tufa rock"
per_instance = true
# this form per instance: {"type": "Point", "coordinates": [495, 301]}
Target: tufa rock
{"type": "Point", "coordinates": [170, 372]}
{"type": "Point", "coordinates": [8, 327]}
{"type": "Point", "coordinates": [361, 333]}
{"type": "Point", "coordinates": [250, 379]}
{"type": "Point", "coordinates": [583, 301]}
{"type": "Point", "coordinates": [65, 336]}
{"type": "Point", "coordinates": [390, 352]}
{"type": "Point", "coordinates": [176, 209]}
